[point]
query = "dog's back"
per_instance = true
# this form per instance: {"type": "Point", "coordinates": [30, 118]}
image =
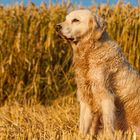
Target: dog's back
{"type": "Point", "coordinates": [128, 85]}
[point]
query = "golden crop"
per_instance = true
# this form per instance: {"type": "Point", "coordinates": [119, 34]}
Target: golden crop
{"type": "Point", "coordinates": [35, 68]}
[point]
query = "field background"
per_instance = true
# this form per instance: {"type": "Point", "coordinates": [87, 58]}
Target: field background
{"type": "Point", "coordinates": [37, 87]}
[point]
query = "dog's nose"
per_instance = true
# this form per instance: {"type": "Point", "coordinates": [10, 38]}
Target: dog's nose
{"type": "Point", "coordinates": [58, 27]}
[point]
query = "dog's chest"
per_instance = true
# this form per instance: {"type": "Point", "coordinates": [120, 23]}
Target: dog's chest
{"type": "Point", "coordinates": [81, 63]}
{"type": "Point", "coordinates": [83, 80]}
{"type": "Point", "coordinates": [82, 68]}
{"type": "Point", "coordinates": [86, 62]}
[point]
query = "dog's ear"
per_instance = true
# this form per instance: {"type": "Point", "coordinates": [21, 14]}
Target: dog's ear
{"type": "Point", "coordinates": [98, 26]}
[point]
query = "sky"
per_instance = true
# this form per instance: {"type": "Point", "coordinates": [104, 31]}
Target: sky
{"type": "Point", "coordinates": [82, 2]}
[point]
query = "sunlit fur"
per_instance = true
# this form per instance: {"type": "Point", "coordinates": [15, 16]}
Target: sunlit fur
{"type": "Point", "coordinates": [108, 86]}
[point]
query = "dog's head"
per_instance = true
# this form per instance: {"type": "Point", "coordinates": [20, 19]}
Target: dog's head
{"type": "Point", "coordinates": [79, 23]}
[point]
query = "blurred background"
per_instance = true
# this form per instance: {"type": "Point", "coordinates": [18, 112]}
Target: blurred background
{"type": "Point", "coordinates": [77, 2]}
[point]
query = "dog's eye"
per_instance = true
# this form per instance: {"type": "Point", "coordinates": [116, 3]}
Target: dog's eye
{"type": "Point", "coordinates": [75, 20]}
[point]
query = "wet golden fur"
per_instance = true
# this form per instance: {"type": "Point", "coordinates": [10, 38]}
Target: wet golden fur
{"type": "Point", "coordinates": [108, 86]}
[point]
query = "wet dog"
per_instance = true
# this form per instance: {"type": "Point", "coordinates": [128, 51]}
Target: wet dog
{"type": "Point", "coordinates": [108, 87]}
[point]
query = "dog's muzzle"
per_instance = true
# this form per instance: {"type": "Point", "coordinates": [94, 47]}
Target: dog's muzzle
{"type": "Point", "coordinates": [58, 29]}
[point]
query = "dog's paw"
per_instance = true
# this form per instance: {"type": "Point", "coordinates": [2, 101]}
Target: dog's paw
{"type": "Point", "coordinates": [81, 127]}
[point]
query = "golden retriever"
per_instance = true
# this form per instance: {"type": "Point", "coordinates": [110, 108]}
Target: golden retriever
{"type": "Point", "coordinates": [108, 86]}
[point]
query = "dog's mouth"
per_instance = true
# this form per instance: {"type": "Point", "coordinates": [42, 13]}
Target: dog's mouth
{"type": "Point", "coordinates": [61, 35]}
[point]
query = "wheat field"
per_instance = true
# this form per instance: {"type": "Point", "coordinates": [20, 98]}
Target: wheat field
{"type": "Point", "coordinates": [37, 87]}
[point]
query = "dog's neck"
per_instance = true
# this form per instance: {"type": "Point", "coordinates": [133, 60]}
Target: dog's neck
{"type": "Point", "coordinates": [89, 41]}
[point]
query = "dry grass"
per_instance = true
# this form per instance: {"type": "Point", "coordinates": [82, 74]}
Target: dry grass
{"type": "Point", "coordinates": [56, 122]}
{"type": "Point", "coordinates": [37, 89]}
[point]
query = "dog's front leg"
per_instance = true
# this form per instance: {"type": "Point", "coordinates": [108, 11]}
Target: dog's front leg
{"type": "Point", "coordinates": [104, 97]}
{"type": "Point", "coordinates": [85, 118]}
{"type": "Point", "coordinates": [85, 114]}
{"type": "Point", "coordinates": [95, 124]}
{"type": "Point", "coordinates": [107, 106]}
